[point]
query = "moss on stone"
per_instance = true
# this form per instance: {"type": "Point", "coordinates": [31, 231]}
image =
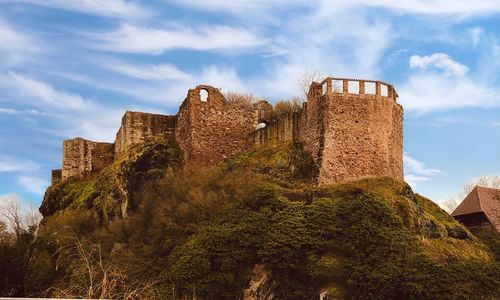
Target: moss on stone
{"type": "Point", "coordinates": [112, 191]}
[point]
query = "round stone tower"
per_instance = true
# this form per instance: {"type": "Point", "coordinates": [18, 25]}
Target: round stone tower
{"type": "Point", "coordinates": [354, 129]}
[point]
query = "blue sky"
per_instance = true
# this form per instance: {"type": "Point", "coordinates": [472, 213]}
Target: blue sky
{"type": "Point", "coordinates": [72, 68]}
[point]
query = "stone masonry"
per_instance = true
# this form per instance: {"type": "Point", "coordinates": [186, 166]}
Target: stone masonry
{"type": "Point", "coordinates": [82, 157]}
{"type": "Point", "coordinates": [138, 127]}
{"type": "Point", "coordinates": [352, 128]}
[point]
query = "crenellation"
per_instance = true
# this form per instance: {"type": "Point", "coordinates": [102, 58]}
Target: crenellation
{"type": "Point", "coordinates": [351, 127]}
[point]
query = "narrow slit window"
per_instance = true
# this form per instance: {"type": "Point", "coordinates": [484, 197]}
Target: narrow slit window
{"type": "Point", "coordinates": [324, 89]}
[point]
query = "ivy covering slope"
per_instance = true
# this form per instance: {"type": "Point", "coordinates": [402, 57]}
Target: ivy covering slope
{"type": "Point", "coordinates": [202, 232]}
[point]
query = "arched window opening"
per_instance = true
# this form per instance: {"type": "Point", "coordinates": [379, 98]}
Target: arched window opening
{"type": "Point", "coordinates": [203, 95]}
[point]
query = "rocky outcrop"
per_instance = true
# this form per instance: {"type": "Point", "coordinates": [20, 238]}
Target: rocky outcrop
{"type": "Point", "coordinates": [260, 286]}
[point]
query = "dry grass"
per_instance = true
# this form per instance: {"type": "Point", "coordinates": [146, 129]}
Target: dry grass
{"type": "Point", "coordinates": [245, 99]}
{"type": "Point", "coordinates": [283, 107]}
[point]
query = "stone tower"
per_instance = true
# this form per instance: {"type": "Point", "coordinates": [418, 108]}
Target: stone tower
{"type": "Point", "coordinates": [352, 128]}
{"type": "Point", "coordinates": [359, 129]}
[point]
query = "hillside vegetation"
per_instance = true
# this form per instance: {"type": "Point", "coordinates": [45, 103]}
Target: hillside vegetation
{"type": "Point", "coordinates": [150, 228]}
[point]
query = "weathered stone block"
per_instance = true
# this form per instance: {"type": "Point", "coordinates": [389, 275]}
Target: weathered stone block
{"type": "Point", "coordinates": [82, 157]}
{"type": "Point", "coordinates": [138, 127]}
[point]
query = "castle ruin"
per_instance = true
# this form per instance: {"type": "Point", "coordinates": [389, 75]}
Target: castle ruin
{"type": "Point", "coordinates": [352, 128]}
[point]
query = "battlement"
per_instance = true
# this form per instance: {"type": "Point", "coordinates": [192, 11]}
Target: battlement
{"type": "Point", "coordinates": [337, 85]}
{"type": "Point", "coordinates": [351, 127]}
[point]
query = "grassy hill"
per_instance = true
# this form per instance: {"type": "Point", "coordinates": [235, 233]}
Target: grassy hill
{"type": "Point", "coordinates": [177, 232]}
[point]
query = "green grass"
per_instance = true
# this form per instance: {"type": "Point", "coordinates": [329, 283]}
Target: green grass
{"type": "Point", "coordinates": [366, 239]}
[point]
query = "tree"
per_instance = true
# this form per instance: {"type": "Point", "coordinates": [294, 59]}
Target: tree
{"type": "Point", "coordinates": [89, 275]}
{"type": "Point", "coordinates": [308, 77]}
{"type": "Point", "coordinates": [17, 235]}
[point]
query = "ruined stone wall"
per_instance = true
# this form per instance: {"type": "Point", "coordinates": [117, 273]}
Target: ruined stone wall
{"type": "Point", "coordinates": [82, 157]}
{"type": "Point", "coordinates": [138, 127]}
{"type": "Point", "coordinates": [312, 123]}
{"type": "Point", "coordinates": [210, 129]}
{"type": "Point", "coordinates": [284, 129]}
{"type": "Point", "coordinates": [351, 128]}
{"type": "Point", "coordinates": [56, 176]}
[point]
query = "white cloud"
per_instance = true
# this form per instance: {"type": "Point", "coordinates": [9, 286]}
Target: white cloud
{"type": "Point", "coordinates": [12, 164]}
{"type": "Point", "coordinates": [430, 91]}
{"type": "Point", "coordinates": [439, 61]}
{"type": "Point", "coordinates": [416, 171]}
{"type": "Point", "coordinates": [225, 78]}
{"type": "Point", "coordinates": [325, 40]}
{"type": "Point", "coordinates": [135, 39]}
{"type": "Point", "coordinates": [100, 124]}
{"type": "Point", "coordinates": [16, 47]}
{"type": "Point", "coordinates": [413, 180]}
{"type": "Point", "coordinates": [8, 111]}
{"type": "Point", "coordinates": [420, 7]}
{"type": "Point", "coordinates": [475, 35]}
{"type": "Point", "coordinates": [436, 7]}
{"type": "Point", "coordinates": [33, 184]}
{"type": "Point", "coordinates": [36, 93]}
{"type": "Point", "coordinates": [109, 8]}
{"type": "Point", "coordinates": [149, 72]}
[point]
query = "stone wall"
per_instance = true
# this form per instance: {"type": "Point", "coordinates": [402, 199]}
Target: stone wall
{"type": "Point", "coordinates": [352, 128]}
{"type": "Point", "coordinates": [138, 127]}
{"type": "Point", "coordinates": [82, 157]}
{"type": "Point", "coordinates": [283, 129]}
{"type": "Point", "coordinates": [210, 129]}
{"type": "Point", "coordinates": [56, 176]}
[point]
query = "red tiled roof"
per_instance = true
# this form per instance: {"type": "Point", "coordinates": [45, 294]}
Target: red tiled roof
{"type": "Point", "coordinates": [481, 199]}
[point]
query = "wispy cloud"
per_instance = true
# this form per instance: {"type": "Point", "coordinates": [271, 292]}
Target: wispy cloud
{"type": "Point", "coordinates": [420, 7]}
{"type": "Point", "coordinates": [149, 72]}
{"type": "Point", "coordinates": [432, 91]}
{"type": "Point", "coordinates": [33, 184]}
{"type": "Point", "coordinates": [137, 39]}
{"type": "Point", "coordinates": [416, 171]}
{"type": "Point", "coordinates": [36, 93]}
{"type": "Point", "coordinates": [108, 8]}
{"type": "Point", "coordinates": [12, 164]}
{"type": "Point", "coordinates": [16, 47]}
{"type": "Point", "coordinates": [439, 61]}
{"type": "Point", "coordinates": [8, 111]}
